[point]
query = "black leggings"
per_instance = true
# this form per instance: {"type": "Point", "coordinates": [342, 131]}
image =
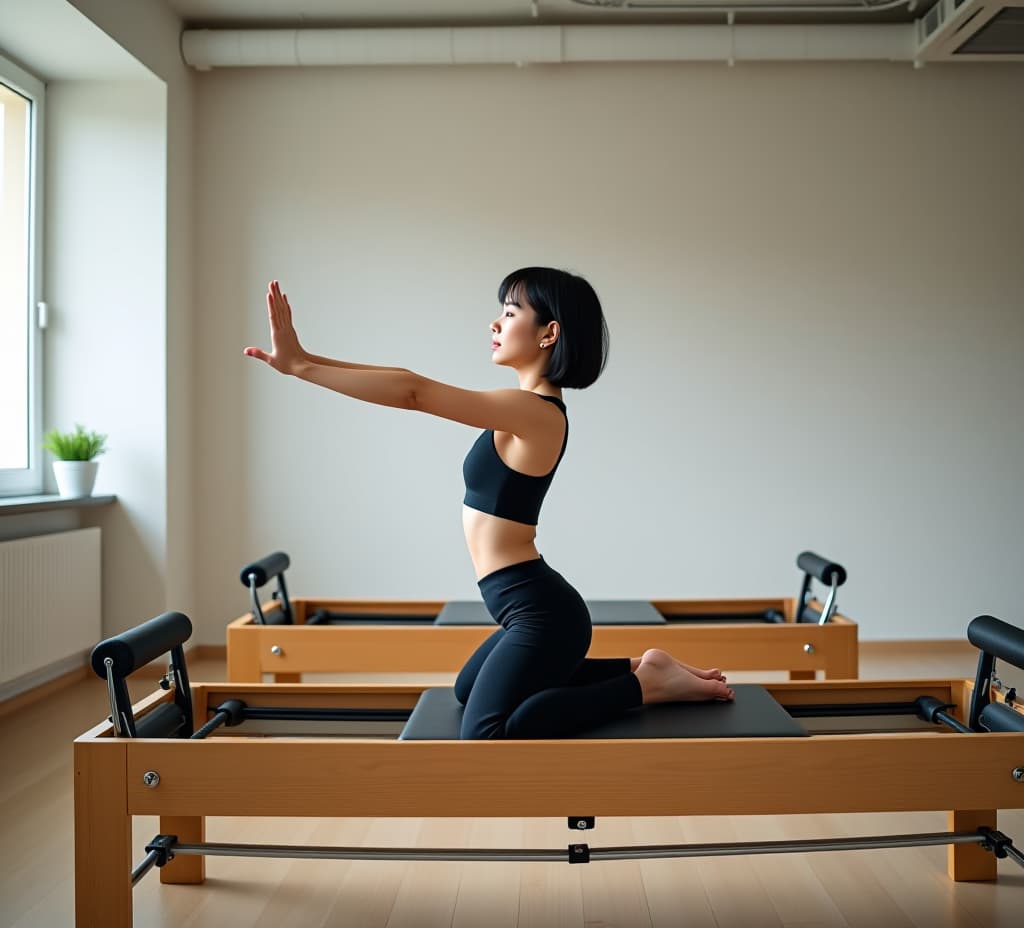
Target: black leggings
{"type": "Point", "coordinates": [531, 678]}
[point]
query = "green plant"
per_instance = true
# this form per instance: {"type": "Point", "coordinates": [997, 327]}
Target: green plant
{"type": "Point", "coordinates": [78, 445]}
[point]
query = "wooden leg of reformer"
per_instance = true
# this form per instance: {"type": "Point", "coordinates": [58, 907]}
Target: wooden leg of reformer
{"type": "Point", "coordinates": [243, 655]}
{"type": "Point", "coordinates": [970, 862]}
{"type": "Point", "coordinates": [287, 677]}
{"type": "Point", "coordinates": [103, 836]}
{"type": "Point", "coordinates": [842, 659]}
{"type": "Point", "coordinates": [190, 830]}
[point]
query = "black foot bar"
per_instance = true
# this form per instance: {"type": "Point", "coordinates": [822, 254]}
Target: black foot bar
{"type": "Point", "coordinates": [828, 572]}
{"type": "Point", "coordinates": [258, 574]}
{"type": "Point", "coordinates": [165, 847]}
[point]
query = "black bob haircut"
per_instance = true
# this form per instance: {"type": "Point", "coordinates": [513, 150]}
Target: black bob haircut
{"type": "Point", "coordinates": [581, 350]}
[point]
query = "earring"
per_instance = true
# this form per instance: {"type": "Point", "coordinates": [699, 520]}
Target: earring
{"type": "Point", "coordinates": [543, 344]}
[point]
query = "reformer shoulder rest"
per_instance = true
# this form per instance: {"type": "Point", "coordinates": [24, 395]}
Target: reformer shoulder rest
{"type": "Point", "coordinates": [115, 659]}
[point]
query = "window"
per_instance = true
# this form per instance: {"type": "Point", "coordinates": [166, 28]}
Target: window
{"type": "Point", "coordinates": [21, 120]}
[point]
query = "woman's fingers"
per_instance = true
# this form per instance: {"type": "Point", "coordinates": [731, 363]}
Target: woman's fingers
{"type": "Point", "coordinates": [278, 305]}
{"type": "Point", "coordinates": [274, 301]}
{"type": "Point", "coordinates": [278, 321]}
{"type": "Point", "coordinates": [284, 344]}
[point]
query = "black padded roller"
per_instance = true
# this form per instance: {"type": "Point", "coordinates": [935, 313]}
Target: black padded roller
{"type": "Point", "coordinates": [997, 716]}
{"type": "Point", "coordinates": [998, 638]}
{"type": "Point", "coordinates": [266, 568]}
{"type": "Point", "coordinates": [138, 646]}
{"type": "Point", "coordinates": [821, 568]}
{"type": "Point", "coordinates": [165, 721]}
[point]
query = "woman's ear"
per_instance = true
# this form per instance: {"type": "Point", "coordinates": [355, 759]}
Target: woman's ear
{"type": "Point", "coordinates": [549, 334]}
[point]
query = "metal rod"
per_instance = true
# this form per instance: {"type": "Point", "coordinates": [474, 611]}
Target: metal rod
{"type": "Point", "coordinates": [1016, 855]}
{"type": "Point", "coordinates": [303, 852]}
{"type": "Point", "coordinates": [830, 604]}
{"type": "Point", "coordinates": [144, 866]}
{"type": "Point", "coordinates": [804, 846]}
{"type": "Point", "coordinates": [838, 710]}
{"type": "Point", "coordinates": [255, 596]}
{"type": "Point", "coordinates": [312, 714]}
{"type": "Point", "coordinates": [115, 715]}
{"type": "Point", "coordinates": [608, 853]}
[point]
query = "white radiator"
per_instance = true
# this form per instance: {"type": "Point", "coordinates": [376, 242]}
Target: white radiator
{"type": "Point", "coordinates": [49, 606]}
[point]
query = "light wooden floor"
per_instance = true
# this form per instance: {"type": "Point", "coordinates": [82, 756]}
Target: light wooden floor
{"type": "Point", "coordinates": [873, 889]}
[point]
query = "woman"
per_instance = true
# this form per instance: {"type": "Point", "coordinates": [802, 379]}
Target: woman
{"type": "Point", "coordinates": [531, 678]}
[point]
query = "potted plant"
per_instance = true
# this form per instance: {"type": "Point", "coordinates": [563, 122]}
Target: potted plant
{"type": "Point", "coordinates": [75, 468]}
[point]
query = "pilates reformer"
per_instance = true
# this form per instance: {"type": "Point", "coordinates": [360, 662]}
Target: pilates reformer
{"type": "Point", "coordinates": [287, 637]}
{"type": "Point", "coordinates": [664, 760]}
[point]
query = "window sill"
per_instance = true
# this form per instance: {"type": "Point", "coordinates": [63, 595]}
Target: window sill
{"type": "Point", "coordinates": [17, 505]}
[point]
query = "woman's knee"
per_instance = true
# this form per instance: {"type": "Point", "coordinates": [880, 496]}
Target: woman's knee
{"type": "Point", "coordinates": [471, 669]}
{"type": "Point", "coordinates": [483, 730]}
{"type": "Point", "coordinates": [463, 687]}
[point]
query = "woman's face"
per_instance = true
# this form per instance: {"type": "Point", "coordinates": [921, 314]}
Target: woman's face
{"type": "Point", "coordinates": [516, 334]}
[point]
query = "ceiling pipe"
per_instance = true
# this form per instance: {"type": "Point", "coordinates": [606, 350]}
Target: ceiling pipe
{"type": "Point", "coordinates": [204, 49]}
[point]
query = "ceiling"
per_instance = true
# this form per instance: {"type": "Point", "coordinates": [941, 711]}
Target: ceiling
{"type": "Point", "coordinates": [383, 13]}
{"type": "Point", "coordinates": [52, 40]}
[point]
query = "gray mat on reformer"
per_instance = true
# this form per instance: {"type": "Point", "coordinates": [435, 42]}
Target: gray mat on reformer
{"type": "Point", "coordinates": [753, 714]}
{"type": "Point", "coordinates": [602, 612]}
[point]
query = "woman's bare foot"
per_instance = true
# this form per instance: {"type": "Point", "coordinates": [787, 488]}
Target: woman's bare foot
{"type": "Point", "coordinates": [663, 679]}
{"type": "Point", "coordinates": [714, 674]}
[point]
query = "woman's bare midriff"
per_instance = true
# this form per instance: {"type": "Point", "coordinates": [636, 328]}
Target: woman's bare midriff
{"type": "Point", "coordinates": [494, 542]}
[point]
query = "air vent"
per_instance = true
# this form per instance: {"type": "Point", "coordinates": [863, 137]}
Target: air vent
{"type": "Point", "coordinates": [972, 30]}
{"type": "Point", "coordinates": [1001, 35]}
{"type": "Point", "coordinates": [933, 18]}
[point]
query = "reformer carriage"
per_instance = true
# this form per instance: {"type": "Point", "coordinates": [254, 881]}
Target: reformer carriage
{"type": "Point", "coordinates": [288, 637]}
{"type": "Point", "coordinates": [954, 745]}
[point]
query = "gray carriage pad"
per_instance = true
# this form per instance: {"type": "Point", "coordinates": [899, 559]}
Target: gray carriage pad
{"type": "Point", "coordinates": [464, 612]}
{"type": "Point", "coordinates": [623, 612]}
{"type": "Point", "coordinates": [602, 612]}
{"type": "Point", "coordinates": [754, 713]}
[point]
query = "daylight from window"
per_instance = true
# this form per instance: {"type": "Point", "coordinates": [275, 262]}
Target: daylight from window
{"type": "Point", "coordinates": [14, 272]}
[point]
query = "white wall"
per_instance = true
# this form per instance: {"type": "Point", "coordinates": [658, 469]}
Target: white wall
{"type": "Point", "coordinates": [106, 244]}
{"type": "Point", "coordinates": [811, 279]}
{"type": "Point", "coordinates": [150, 31]}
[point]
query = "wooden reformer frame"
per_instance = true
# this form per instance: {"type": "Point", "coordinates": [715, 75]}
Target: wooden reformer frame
{"type": "Point", "coordinates": [969, 776]}
{"type": "Point", "coordinates": [259, 644]}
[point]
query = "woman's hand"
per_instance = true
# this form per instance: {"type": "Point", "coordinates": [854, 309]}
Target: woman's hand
{"type": "Point", "coordinates": [286, 354]}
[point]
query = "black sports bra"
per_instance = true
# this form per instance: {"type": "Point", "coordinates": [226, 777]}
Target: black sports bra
{"type": "Point", "coordinates": [493, 487]}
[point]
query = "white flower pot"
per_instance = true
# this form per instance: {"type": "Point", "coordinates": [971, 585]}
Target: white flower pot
{"type": "Point", "coordinates": [75, 478]}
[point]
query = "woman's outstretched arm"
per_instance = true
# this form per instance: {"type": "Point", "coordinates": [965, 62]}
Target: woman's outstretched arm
{"type": "Point", "coordinates": [503, 410]}
{"type": "Point", "coordinates": [334, 362]}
